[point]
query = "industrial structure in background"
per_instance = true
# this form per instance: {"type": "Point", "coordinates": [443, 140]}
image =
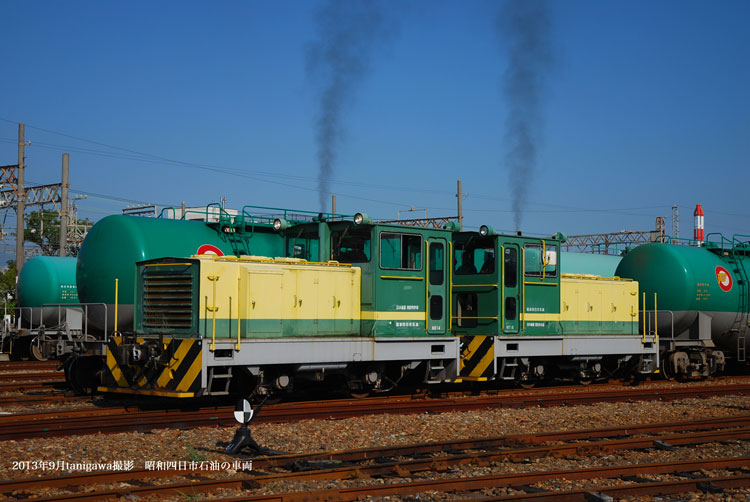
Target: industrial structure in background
{"type": "Point", "coordinates": [15, 195]}
{"type": "Point", "coordinates": [616, 242]}
{"type": "Point", "coordinates": [698, 234]}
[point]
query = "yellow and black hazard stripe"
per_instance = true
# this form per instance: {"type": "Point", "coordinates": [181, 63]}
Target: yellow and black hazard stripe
{"type": "Point", "coordinates": [179, 377]}
{"type": "Point", "coordinates": [477, 358]}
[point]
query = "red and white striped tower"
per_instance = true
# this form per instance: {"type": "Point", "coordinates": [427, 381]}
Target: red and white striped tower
{"type": "Point", "coordinates": [698, 231]}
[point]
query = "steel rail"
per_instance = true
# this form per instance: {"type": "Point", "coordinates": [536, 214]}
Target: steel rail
{"type": "Point", "coordinates": [41, 398]}
{"type": "Point", "coordinates": [408, 488]}
{"type": "Point", "coordinates": [35, 376]}
{"type": "Point", "coordinates": [86, 421]}
{"type": "Point", "coordinates": [408, 466]}
{"type": "Point", "coordinates": [28, 365]}
{"type": "Point", "coordinates": [624, 490]}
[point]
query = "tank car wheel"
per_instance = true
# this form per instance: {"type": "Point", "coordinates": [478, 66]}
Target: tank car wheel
{"type": "Point", "coordinates": [35, 350]}
{"type": "Point", "coordinates": [666, 372]}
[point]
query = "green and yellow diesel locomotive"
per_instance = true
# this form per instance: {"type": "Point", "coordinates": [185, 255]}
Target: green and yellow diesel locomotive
{"type": "Point", "coordinates": [369, 306]}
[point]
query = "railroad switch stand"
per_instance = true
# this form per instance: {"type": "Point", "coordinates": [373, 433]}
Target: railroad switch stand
{"type": "Point", "coordinates": [243, 438]}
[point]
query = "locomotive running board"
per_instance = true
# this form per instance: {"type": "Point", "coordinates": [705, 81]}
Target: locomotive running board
{"type": "Point", "coordinates": [146, 392]}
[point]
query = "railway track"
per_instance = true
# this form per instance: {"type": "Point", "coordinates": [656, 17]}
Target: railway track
{"type": "Point", "coordinates": [122, 419]}
{"type": "Point", "coordinates": [47, 397]}
{"type": "Point", "coordinates": [28, 365]}
{"type": "Point", "coordinates": [43, 376]}
{"type": "Point", "coordinates": [404, 462]}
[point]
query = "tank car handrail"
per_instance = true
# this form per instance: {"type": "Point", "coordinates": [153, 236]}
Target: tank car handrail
{"type": "Point", "coordinates": [84, 307]}
{"type": "Point", "coordinates": [649, 322]}
{"type": "Point", "coordinates": [724, 243]}
{"type": "Point", "coordinates": [174, 212]}
{"type": "Point", "coordinates": [286, 211]}
{"type": "Point", "coordinates": [736, 240]}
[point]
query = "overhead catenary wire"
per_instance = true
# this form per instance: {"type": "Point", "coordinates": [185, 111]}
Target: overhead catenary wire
{"type": "Point", "coordinates": [263, 176]}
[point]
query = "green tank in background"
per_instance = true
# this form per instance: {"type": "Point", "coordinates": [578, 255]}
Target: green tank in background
{"type": "Point", "coordinates": [46, 280]}
{"type": "Point", "coordinates": [603, 265]}
{"type": "Point", "coordinates": [116, 243]}
{"type": "Point", "coordinates": [701, 292]}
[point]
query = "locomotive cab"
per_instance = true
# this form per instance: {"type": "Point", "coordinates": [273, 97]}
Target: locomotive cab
{"type": "Point", "coordinates": [521, 320]}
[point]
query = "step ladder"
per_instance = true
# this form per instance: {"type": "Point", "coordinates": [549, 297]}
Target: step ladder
{"type": "Point", "coordinates": [740, 324]}
{"type": "Point", "coordinates": [508, 368]}
{"type": "Point", "coordinates": [435, 370]}
{"type": "Point", "coordinates": [218, 383]}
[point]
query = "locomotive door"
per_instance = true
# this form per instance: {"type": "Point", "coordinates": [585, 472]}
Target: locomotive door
{"type": "Point", "coordinates": [437, 286]}
{"type": "Point", "coordinates": [511, 292]}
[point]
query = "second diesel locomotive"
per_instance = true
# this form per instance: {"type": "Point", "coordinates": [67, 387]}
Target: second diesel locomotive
{"type": "Point", "coordinates": [369, 305]}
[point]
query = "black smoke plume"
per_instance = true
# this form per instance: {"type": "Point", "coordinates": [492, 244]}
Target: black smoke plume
{"type": "Point", "coordinates": [337, 61]}
{"type": "Point", "coordinates": [524, 30]}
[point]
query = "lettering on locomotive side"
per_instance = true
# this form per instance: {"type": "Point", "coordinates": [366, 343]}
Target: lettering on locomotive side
{"type": "Point", "coordinates": [407, 307]}
{"type": "Point", "coordinates": [534, 309]}
{"type": "Point", "coordinates": [407, 324]}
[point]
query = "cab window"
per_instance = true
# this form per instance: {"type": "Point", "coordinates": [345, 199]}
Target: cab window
{"type": "Point", "coordinates": [400, 251]}
{"type": "Point", "coordinates": [304, 244]}
{"type": "Point", "coordinates": [351, 245]}
{"type": "Point", "coordinates": [540, 259]}
{"type": "Point", "coordinates": [475, 256]}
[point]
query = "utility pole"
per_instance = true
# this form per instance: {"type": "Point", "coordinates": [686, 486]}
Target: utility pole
{"type": "Point", "coordinates": [460, 195]}
{"type": "Point", "coordinates": [21, 201]}
{"type": "Point", "coordinates": [64, 205]}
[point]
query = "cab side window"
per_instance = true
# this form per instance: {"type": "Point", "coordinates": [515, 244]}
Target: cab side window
{"type": "Point", "coordinates": [400, 251]}
{"type": "Point", "coordinates": [351, 246]}
{"type": "Point", "coordinates": [540, 261]}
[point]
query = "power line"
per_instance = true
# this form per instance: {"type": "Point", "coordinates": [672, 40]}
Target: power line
{"type": "Point", "coordinates": [262, 176]}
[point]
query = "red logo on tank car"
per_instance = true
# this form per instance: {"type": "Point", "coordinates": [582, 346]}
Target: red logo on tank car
{"type": "Point", "coordinates": [209, 249]}
{"type": "Point", "coordinates": [725, 280]}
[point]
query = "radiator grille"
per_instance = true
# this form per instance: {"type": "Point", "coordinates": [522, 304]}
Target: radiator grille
{"type": "Point", "coordinates": [168, 300]}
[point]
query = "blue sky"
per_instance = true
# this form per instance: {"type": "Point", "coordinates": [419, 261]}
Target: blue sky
{"type": "Point", "coordinates": [645, 106]}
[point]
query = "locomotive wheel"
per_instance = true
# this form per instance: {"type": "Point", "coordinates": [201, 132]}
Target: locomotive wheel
{"type": "Point", "coordinates": [584, 378]}
{"type": "Point", "coordinates": [357, 389]}
{"type": "Point", "coordinates": [359, 395]}
{"type": "Point", "coordinates": [35, 350]}
{"type": "Point", "coordinates": [526, 381]}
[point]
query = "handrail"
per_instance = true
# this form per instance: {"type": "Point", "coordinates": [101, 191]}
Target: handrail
{"type": "Point", "coordinates": [213, 309]}
{"type": "Point", "coordinates": [450, 287]}
{"type": "Point", "coordinates": [84, 307]}
{"type": "Point", "coordinates": [239, 316]}
{"type": "Point", "coordinates": [427, 288]}
{"type": "Point", "coordinates": [475, 285]}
